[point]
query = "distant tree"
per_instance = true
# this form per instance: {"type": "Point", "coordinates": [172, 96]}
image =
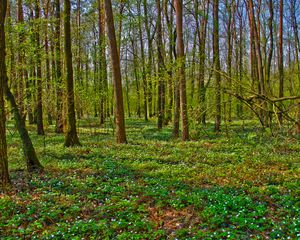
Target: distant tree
{"type": "Point", "coordinates": [116, 71]}
{"type": "Point", "coordinates": [4, 174]}
{"type": "Point", "coordinates": [71, 138]}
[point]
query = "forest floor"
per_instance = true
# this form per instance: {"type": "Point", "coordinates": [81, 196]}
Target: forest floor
{"type": "Point", "coordinates": [243, 184]}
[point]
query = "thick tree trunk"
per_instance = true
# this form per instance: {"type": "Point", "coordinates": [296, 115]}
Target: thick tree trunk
{"type": "Point", "coordinates": [4, 174]}
{"type": "Point", "coordinates": [115, 59]}
{"type": "Point", "coordinates": [71, 138]}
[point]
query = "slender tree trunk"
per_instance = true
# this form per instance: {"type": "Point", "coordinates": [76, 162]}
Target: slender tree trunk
{"type": "Point", "coordinates": [181, 60]}
{"type": "Point", "coordinates": [201, 33]}
{"type": "Point", "coordinates": [119, 107]}
{"type": "Point", "coordinates": [40, 125]}
{"type": "Point", "coordinates": [136, 76]}
{"type": "Point", "coordinates": [59, 126]}
{"type": "Point", "coordinates": [71, 137]}
{"type": "Point", "coordinates": [127, 85]}
{"type": "Point", "coordinates": [256, 36]}
{"type": "Point", "coordinates": [145, 84]}
{"type": "Point", "coordinates": [169, 18]}
{"type": "Point", "coordinates": [103, 64]}
{"type": "Point", "coordinates": [240, 47]}
{"type": "Point", "coordinates": [161, 84]}
{"type": "Point", "coordinates": [4, 173]}
{"type": "Point", "coordinates": [217, 67]}
{"type": "Point", "coordinates": [270, 56]}
{"type": "Point", "coordinates": [229, 7]}
{"type": "Point", "coordinates": [150, 57]}
{"type": "Point", "coordinates": [20, 58]}
{"type": "Point", "coordinates": [280, 65]}
{"type": "Point", "coordinates": [47, 62]}
{"type": "Point", "coordinates": [176, 119]}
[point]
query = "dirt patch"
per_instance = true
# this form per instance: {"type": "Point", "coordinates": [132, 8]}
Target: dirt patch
{"type": "Point", "coordinates": [171, 219]}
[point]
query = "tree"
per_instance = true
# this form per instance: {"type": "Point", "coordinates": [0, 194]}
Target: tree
{"type": "Point", "coordinates": [280, 45]}
{"type": "Point", "coordinates": [71, 138]}
{"type": "Point", "coordinates": [161, 84]}
{"type": "Point", "coordinates": [58, 75]}
{"type": "Point", "coordinates": [181, 73]}
{"type": "Point", "coordinates": [116, 71]}
{"type": "Point", "coordinates": [4, 174]}
{"type": "Point", "coordinates": [40, 125]}
{"type": "Point", "coordinates": [145, 84]}
{"type": "Point", "coordinates": [102, 60]}
{"type": "Point", "coordinates": [217, 68]}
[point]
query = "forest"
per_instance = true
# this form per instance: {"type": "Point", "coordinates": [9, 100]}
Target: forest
{"type": "Point", "coordinates": [149, 119]}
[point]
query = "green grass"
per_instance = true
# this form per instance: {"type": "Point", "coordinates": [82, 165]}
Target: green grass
{"type": "Point", "coordinates": [243, 184]}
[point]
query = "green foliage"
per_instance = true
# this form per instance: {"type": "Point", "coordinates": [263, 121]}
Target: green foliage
{"type": "Point", "coordinates": [237, 185]}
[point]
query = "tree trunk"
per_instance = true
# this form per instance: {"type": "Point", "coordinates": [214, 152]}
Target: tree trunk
{"type": "Point", "coordinates": [169, 19]}
{"type": "Point", "coordinates": [20, 59]}
{"type": "Point", "coordinates": [71, 137]}
{"type": "Point", "coordinates": [297, 48]}
{"type": "Point", "coordinates": [269, 61]}
{"type": "Point", "coordinates": [116, 71]}
{"type": "Point", "coordinates": [59, 126]}
{"type": "Point", "coordinates": [103, 65]}
{"type": "Point", "coordinates": [40, 125]}
{"type": "Point", "coordinates": [145, 84]}
{"type": "Point", "coordinates": [217, 67]}
{"type": "Point", "coordinates": [161, 84]}
{"type": "Point", "coordinates": [280, 65]}
{"type": "Point", "coordinates": [47, 62]}
{"type": "Point", "coordinates": [229, 7]}
{"type": "Point", "coordinates": [150, 56]}
{"type": "Point", "coordinates": [4, 173]}
{"type": "Point", "coordinates": [181, 71]}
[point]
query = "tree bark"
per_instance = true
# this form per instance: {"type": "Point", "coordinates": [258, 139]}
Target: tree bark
{"type": "Point", "coordinates": [116, 71]}
{"type": "Point", "coordinates": [161, 84]}
{"type": "Point", "coordinates": [181, 72]}
{"type": "Point", "coordinates": [59, 126]}
{"type": "Point", "coordinates": [71, 138]}
{"type": "Point", "coordinates": [40, 125]}
{"type": "Point", "coordinates": [145, 84]}
{"type": "Point", "coordinates": [216, 57]}
{"type": "Point", "coordinates": [4, 173]}
{"type": "Point", "coordinates": [280, 65]}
